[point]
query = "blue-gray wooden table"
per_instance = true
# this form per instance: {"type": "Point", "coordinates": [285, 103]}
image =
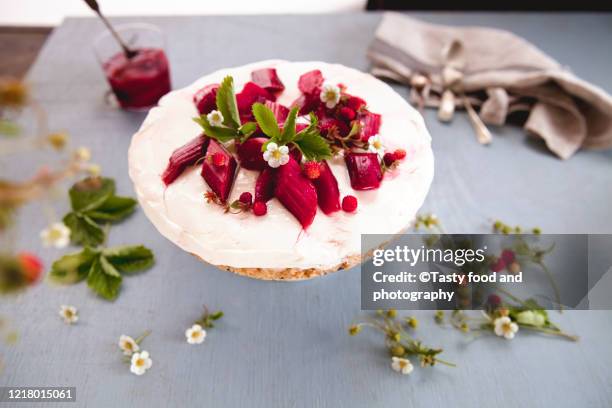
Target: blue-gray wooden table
{"type": "Point", "coordinates": [285, 344]}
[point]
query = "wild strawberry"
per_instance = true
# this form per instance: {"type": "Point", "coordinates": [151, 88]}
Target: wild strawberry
{"type": "Point", "coordinates": [260, 208]}
{"type": "Point", "coordinates": [497, 265]}
{"type": "Point", "coordinates": [400, 154]}
{"type": "Point", "coordinates": [31, 266]}
{"type": "Point", "coordinates": [312, 170]}
{"type": "Point", "coordinates": [494, 300]}
{"type": "Point", "coordinates": [246, 198]}
{"type": "Point", "coordinates": [507, 256]}
{"type": "Point", "coordinates": [355, 103]}
{"type": "Point", "coordinates": [347, 113]}
{"type": "Point", "coordinates": [349, 203]}
{"type": "Point", "coordinates": [389, 159]}
{"type": "Point", "coordinates": [219, 159]}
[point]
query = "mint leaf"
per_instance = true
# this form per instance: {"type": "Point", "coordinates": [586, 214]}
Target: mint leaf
{"type": "Point", "coordinates": [266, 120]}
{"type": "Point", "coordinates": [90, 193]}
{"type": "Point", "coordinates": [218, 133]}
{"type": "Point", "coordinates": [115, 208]}
{"type": "Point", "coordinates": [129, 258]}
{"type": "Point", "coordinates": [289, 128]}
{"type": "Point", "coordinates": [226, 103]}
{"type": "Point", "coordinates": [73, 268]}
{"type": "Point", "coordinates": [313, 146]}
{"type": "Point", "coordinates": [103, 280]}
{"type": "Point", "coordinates": [84, 230]}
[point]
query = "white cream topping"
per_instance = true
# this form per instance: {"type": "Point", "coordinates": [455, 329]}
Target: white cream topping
{"type": "Point", "coordinates": [277, 240]}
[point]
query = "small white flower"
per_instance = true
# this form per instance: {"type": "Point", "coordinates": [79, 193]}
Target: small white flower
{"type": "Point", "coordinates": [504, 327]}
{"type": "Point", "coordinates": [82, 154]}
{"type": "Point", "coordinates": [70, 314]}
{"type": "Point", "coordinates": [215, 118]}
{"type": "Point", "coordinates": [195, 334]}
{"type": "Point", "coordinates": [401, 365]}
{"type": "Point", "coordinates": [57, 235]}
{"type": "Point", "coordinates": [128, 345]}
{"type": "Point", "coordinates": [141, 362]}
{"type": "Point", "coordinates": [330, 95]}
{"type": "Point", "coordinates": [94, 170]}
{"type": "Point", "coordinates": [375, 145]}
{"type": "Point", "coordinates": [276, 156]}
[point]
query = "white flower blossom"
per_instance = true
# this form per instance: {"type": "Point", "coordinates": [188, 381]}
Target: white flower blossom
{"type": "Point", "coordinates": [195, 334]}
{"type": "Point", "coordinates": [94, 170]}
{"type": "Point", "coordinates": [128, 345]}
{"type": "Point", "coordinates": [141, 362]}
{"type": "Point", "coordinates": [276, 156]}
{"type": "Point", "coordinates": [82, 154]}
{"type": "Point", "coordinates": [375, 145]}
{"type": "Point", "coordinates": [505, 327]}
{"type": "Point", "coordinates": [330, 95]}
{"type": "Point", "coordinates": [215, 118]}
{"type": "Point", "coordinates": [57, 235]}
{"type": "Point", "coordinates": [70, 314]}
{"type": "Point", "coordinates": [401, 365]}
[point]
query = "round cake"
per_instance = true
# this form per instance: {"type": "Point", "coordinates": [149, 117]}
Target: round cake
{"type": "Point", "coordinates": [280, 244]}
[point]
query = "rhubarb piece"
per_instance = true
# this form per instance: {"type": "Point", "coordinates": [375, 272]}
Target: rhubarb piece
{"type": "Point", "coordinates": [219, 178]}
{"type": "Point", "coordinates": [268, 79]}
{"type": "Point", "coordinates": [260, 208]}
{"type": "Point", "coordinates": [280, 111]}
{"type": "Point", "coordinates": [370, 124]}
{"type": "Point", "coordinates": [205, 99]}
{"type": "Point", "coordinates": [250, 155]}
{"type": "Point", "coordinates": [364, 170]}
{"type": "Point", "coordinates": [184, 156]}
{"type": "Point", "coordinates": [296, 193]}
{"type": "Point", "coordinates": [265, 184]}
{"type": "Point", "coordinates": [250, 94]}
{"type": "Point", "coordinates": [327, 125]}
{"type": "Point", "coordinates": [310, 82]}
{"type": "Point", "coordinates": [355, 103]}
{"type": "Point", "coordinates": [328, 194]}
{"type": "Point", "coordinates": [349, 203]}
{"type": "Point", "coordinates": [295, 153]}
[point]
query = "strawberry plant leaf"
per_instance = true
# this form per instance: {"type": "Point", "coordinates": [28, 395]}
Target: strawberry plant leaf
{"type": "Point", "coordinates": [115, 208]}
{"type": "Point", "coordinates": [314, 147]}
{"type": "Point", "coordinates": [84, 230]}
{"type": "Point", "coordinates": [221, 134]}
{"type": "Point", "coordinates": [104, 280]}
{"type": "Point", "coordinates": [226, 103]}
{"type": "Point", "coordinates": [289, 127]}
{"type": "Point", "coordinates": [129, 259]}
{"type": "Point", "coordinates": [90, 193]}
{"type": "Point", "coordinates": [266, 120]}
{"type": "Point", "coordinates": [74, 267]}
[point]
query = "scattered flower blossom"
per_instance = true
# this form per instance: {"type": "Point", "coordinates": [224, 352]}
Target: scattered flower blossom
{"type": "Point", "coordinates": [141, 362]}
{"type": "Point", "coordinates": [94, 170]}
{"type": "Point", "coordinates": [215, 118]}
{"type": "Point", "coordinates": [375, 145]}
{"type": "Point", "coordinates": [195, 334]}
{"type": "Point", "coordinates": [401, 365]}
{"type": "Point", "coordinates": [505, 327]}
{"type": "Point", "coordinates": [58, 140]}
{"type": "Point", "coordinates": [56, 235]}
{"type": "Point", "coordinates": [128, 345]}
{"type": "Point", "coordinates": [276, 156]}
{"type": "Point", "coordinates": [330, 95]}
{"type": "Point", "coordinates": [70, 314]}
{"type": "Point", "coordinates": [82, 154]}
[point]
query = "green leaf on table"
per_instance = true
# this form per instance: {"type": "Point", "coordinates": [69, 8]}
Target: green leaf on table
{"type": "Point", "coordinates": [288, 133]}
{"type": "Point", "coordinates": [73, 268]}
{"type": "Point", "coordinates": [313, 146]}
{"type": "Point", "coordinates": [226, 103]}
{"type": "Point", "coordinates": [266, 120]}
{"type": "Point", "coordinates": [9, 128]}
{"type": "Point", "coordinates": [84, 230]}
{"type": "Point", "coordinates": [129, 259]}
{"type": "Point", "coordinates": [104, 279]}
{"type": "Point", "coordinates": [90, 193]}
{"type": "Point", "coordinates": [221, 134]}
{"type": "Point", "coordinates": [115, 208]}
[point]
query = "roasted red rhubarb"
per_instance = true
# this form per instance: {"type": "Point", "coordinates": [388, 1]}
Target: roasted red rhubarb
{"type": "Point", "coordinates": [370, 124]}
{"type": "Point", "coordinates": [280, 111]}
{"type": "Point", "coordinates": [250, 155]}
{"type": "Point", "coordinates": [264, 186]}
{"type": "Point", "coordinates": [328, 194]}
{"type": "Point", "coordinates": [310, 82]}
{"type": "Point", "coordinates": [250, 94]}
{"type": "Point", "coordinates": [184, 156]}
{"type": "Point", "coordinates": [296, 193]}
{"type": "Point", "coordinates": [364, 170]}
{"type": "Point", "coordinates": [219, 177]}
{"type": "Point", "coordinates": [268, 79]}
{"type": "Point", "coordinates": [205, 99]}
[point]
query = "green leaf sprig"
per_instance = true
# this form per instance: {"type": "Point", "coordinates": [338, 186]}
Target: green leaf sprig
{"type": "Point", "coordinates": [102, 268]}
{"type": "Point", "coordinates": [93, 202]}
{"type": "Point", "coordinates": [232, 128]}
{"type": "Point", "coordinates": [309, 141]}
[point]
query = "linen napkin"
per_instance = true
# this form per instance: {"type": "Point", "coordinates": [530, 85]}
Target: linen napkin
{"type": "Point", "coordinates": [496, 71]}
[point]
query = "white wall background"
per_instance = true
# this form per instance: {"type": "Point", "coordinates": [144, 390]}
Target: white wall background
{"type": "Point", "coordinates": [52, 12]}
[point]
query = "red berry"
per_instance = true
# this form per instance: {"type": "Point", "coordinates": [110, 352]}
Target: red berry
{"type": "Point", "coordinates": [347, 113]}
{"type": "Point", "coordinates": [312, 170]}
{"type": "Point", "coordinates": [31, 264]}
{"type": "Point", "coordinates": [355, 103]}
{"type": "Point", "coordinates": [219, 159]}
{"type": "Point", "coordinates": [349, 203]}
{"type": "Point", "coordinates": [260, 208]}
{"type": "Point", "coordinates": [400, 154]}
{"type": "Point", "coordinates": [389, 159]}
{"type": "Point", "coordinates": [494, 300]}
{"type": "Point", "coordinates": [507, 256]}
{"type": "Point", "coordinates": [246, 198]}
{"type": "Point", "coordinates": [498, 265]}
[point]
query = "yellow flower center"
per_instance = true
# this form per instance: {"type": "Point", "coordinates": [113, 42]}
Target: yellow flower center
{"type": "Point", "coordinates": [377, 144]}
{"type": "Point", "coordinates": [140, 362]}
{"type": "Point", "coordinates": [68, 313]}
{"type": "Point", "coordinates": [507, 327]}
{"type": "Point", "coordinates": [330, 95]}
{"type": "Point", "coordinates": [195, 334]}
{"type": "Point", "coordinates": [277, 154]}
{"type": "Point", "coordinates": [216, 117]}
{"type": "Point", "coordinates": [55, 234]}
{"type": "Point", "coordinates": [127, 345]}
